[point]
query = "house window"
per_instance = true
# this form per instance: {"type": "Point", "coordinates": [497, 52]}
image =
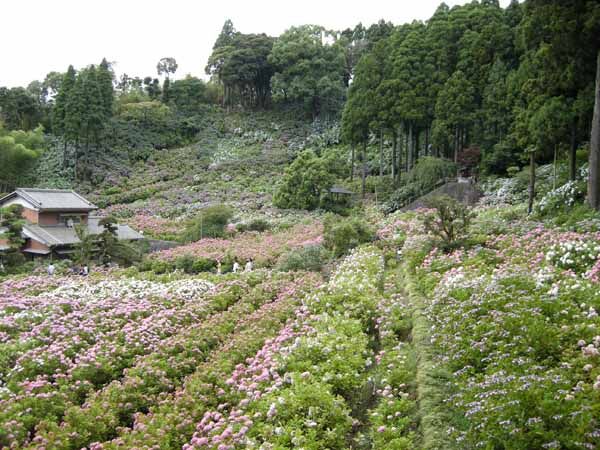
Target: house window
{"type": "Point", "coordinates": [70, 221]}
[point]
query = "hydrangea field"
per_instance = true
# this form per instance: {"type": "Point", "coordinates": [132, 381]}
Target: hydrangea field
{"type": "Point", "coordinates": [491, 344]}
{"type": "Point", "coordinates": [508, 332]}
{"type": "Point", "coordinates": [263, 248]}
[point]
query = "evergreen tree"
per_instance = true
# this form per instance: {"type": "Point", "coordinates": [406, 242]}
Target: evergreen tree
{"type": "Point", "coordinates": [105, 77]}
{"type": "Point", "coordinates": [60, 104]}
{"type": "Point", "coordinates": [454, 112]}
{"type": "Point", "coordinates": [308, 70]}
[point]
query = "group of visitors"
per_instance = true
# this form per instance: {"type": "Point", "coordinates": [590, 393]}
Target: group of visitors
{"type": "Point", "coordinates": [237, 268]}
{"type": "Point", "coordinates": [247, 268]}
{"type": "Point", "coordinates": [75, 270]}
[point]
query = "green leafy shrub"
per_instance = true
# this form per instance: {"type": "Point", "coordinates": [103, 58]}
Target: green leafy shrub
{"type": "Point", "coordinates": [203, 265]}
{"type": "Point", "coordinates": [259, 225]}
{"type": "Point", "coordinates": [299, 422]}
{"type": "Point", "coordinates": [185, 263]}
{"type": "Point", "coordinates": [341, 235]}
{"type": "Point", "coordinates": [450, 223]}
{"type": "Point", "coordinates": [311, 258]}
{"type": "Point", "coordinates": [428, 171]}
{"type": "Point", "coordinates": [211, 222]}
{"type": "Point", "coordinates": [403, 196]}
{"type": "Point", "coordinates": [304, 183]}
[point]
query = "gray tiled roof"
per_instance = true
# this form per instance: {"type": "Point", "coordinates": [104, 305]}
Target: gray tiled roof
{"type": "Point", "coordinates": [53, 199]}
{"type": "Point", "coordinates": [51, 236]}
{"type": "Point", "coordinates": [123, 231]}
{"type": "Point", "coordinates": [61, 235]}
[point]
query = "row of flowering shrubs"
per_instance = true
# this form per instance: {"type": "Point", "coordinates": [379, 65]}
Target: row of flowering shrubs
{"type": "Point", "coordinates": [299, 389]}
{"type": "Point", "coordinates": [288, 378]}
{"type": "Point", "coordinates": [86, 334]}
{"type": "Point", "coordinates": [514, 323]}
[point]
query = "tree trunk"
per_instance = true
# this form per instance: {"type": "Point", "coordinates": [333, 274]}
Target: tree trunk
{"type": "Point", "coordinates": [456, 140]}
{"type": "Point", "coordinates": [594, 161]}
{"type": "Point", "coordinates": [352, 162]}
{"type": "Point", "coordinates": [400, 150]}
{"type": "Point", "coordinates": [417, 146]}
{"type": "Point", "coordinates": [64, 162]}
{"type": "Point", "coordinates": [381, 153]}
{"type": "Point", "coordinates": [394, 148]}
{"type": "Point", "coordinates": [573, 152]}
{"type": "Point", "coordinates": [364, 170]}
{"type": "Point", "coordinates": [427, 141]}
{"type": "Point", "coordinates": [554, 166]}
{"type": "Point", "coordinates": [410, 156]}
{"type": "Point", "coordinates": [531, 181]}
{"type": "Point", "coordinates": [75, 174]}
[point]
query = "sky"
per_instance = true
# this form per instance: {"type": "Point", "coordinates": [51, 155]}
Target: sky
{"type": "Point", "coordinates": [40, 36]}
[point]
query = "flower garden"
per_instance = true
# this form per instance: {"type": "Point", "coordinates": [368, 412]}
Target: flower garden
{"type": "Point", "coordinates": [263, 248]}
{"type": "Point", "coordinates": [508, 332]}
{"type": "Point", "coordinates": [256, 360]}
{"type": "Point", "coordinates": [401, 344]}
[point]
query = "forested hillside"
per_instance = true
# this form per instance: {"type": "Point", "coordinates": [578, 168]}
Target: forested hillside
{"type": "Point", "coordinates": [379, 238]}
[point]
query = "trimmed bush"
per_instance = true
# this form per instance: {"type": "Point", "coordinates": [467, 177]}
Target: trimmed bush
{"type": "Point", "coordinates": [211, 222]}
{"type": "Point", "coordinates": [311, 258]}
{"type": "Point", "coordinates": [343, 234]}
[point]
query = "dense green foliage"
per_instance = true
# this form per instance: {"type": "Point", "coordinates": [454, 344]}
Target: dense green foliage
{"type": "Point", "coordinates": [472, 76]}
{"type": "Point", "coordinates": [503, 79]}
{"type": "Point", "coordinates": [305, 183]}
{"type": "Point", "coordinates": [210, 222]}
{"type": "Point", "coordinates": [311, 257]}
{"type": "Point", "coordinates": [340, 235]}
{"type": "Point", "coordinates": [18, 151]}
{"type": "Point", "coordinates": [11, 224]}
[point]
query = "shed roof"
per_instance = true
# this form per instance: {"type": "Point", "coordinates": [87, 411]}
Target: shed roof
{"type": "Point", "coordinates": [340, 190]}
{"type": "Point", "coordinates": [123, 231]}
{"type": "Point", "coordinates": [52, 199]}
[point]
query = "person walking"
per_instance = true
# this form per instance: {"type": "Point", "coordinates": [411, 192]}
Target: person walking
{"type": "Point", "coordinates": [249, 265]}
{"type": "Point", "coordinates": [236, 266]}
{"type": "Point", "coordinates": [50, 269]}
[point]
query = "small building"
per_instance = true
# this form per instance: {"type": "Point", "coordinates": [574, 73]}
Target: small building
{"type": "Point", "coordinates": [338, 190]}
{"type": "Point", "coordinates": [51, 216]}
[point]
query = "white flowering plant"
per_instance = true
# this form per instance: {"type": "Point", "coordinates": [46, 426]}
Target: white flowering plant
{"type": "Point", "coordinates": [565, 196]}
{"type": "Point", "coordinates": [577, 256]}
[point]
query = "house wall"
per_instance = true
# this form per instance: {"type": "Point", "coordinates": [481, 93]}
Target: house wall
{"type": "Point", "coordinates": [3, 241]}
{"type": "Point", "coordinates": [48, 218]}
{"type": "Point", "coordinates": [58, 218]}
{"type": "Point", "coordinates": [30, 215]}
{"type": "Point", "coordinates": [35, 245]}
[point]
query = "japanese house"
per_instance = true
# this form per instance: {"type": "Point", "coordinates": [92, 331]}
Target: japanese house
{"type": "Point", "coordinates": [51, 216]}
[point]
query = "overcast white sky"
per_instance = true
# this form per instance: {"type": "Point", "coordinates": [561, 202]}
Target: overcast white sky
{"type": "Point", "coordinates": [39, 36]}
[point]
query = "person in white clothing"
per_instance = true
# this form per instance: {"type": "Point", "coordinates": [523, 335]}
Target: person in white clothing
{"type": "Point", "coordinates": [249, 266]}
{"type": "Point", "coordinates": [50, 269]}
{"type": "Point", "coordinates": [236, 267]}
